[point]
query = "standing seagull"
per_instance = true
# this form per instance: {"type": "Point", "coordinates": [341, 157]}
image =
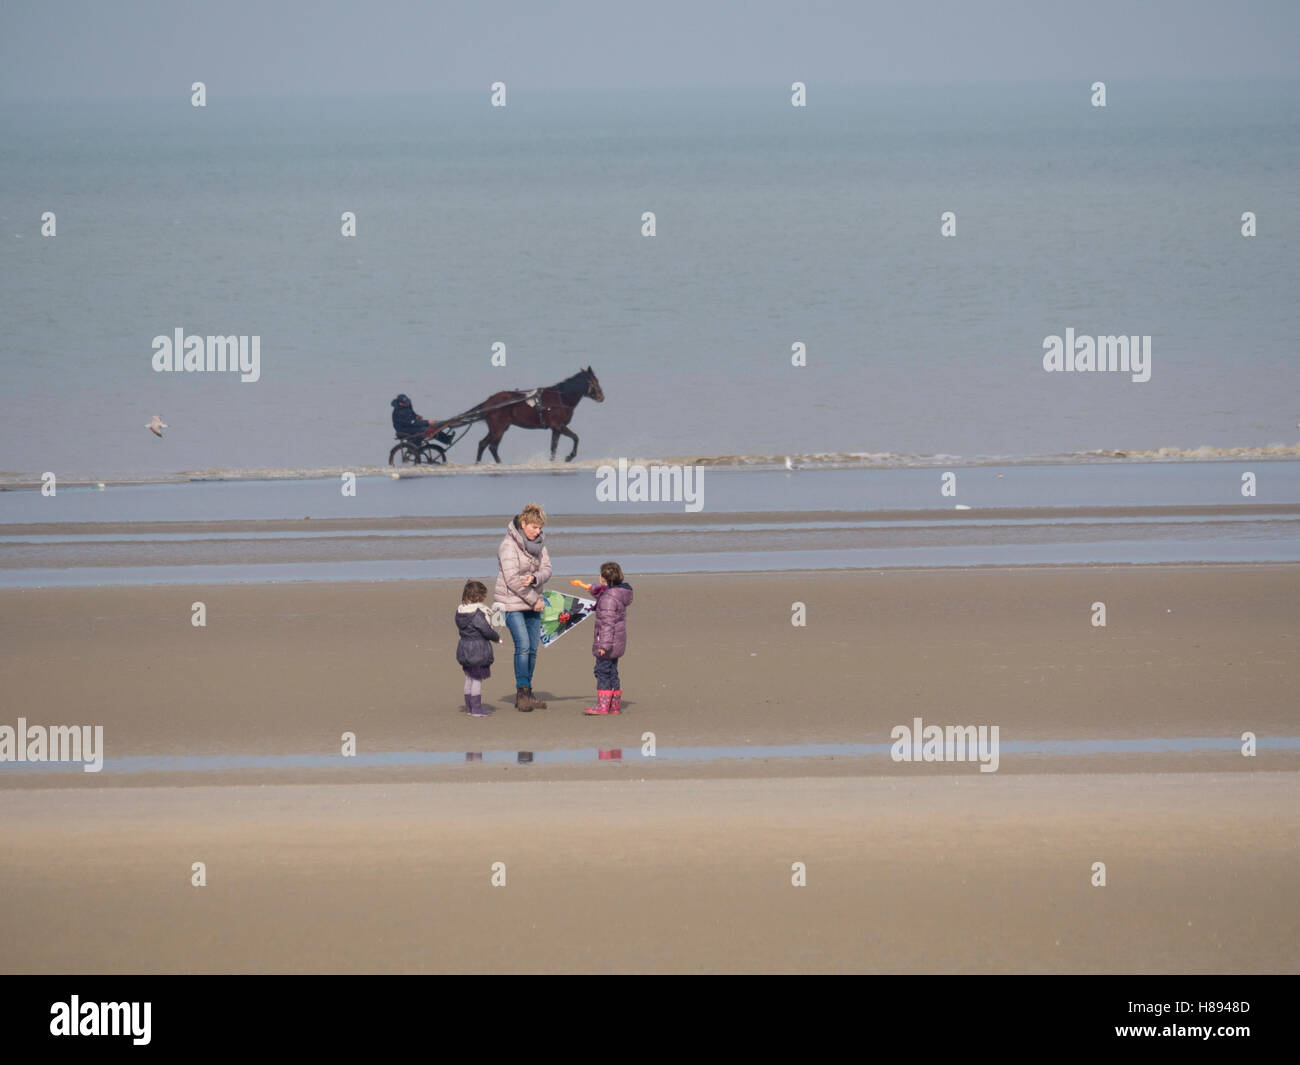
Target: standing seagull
{"type": "Point", "coordinates": [156, 426]}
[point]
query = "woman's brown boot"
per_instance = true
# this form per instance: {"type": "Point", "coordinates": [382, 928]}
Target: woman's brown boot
{"type": "Point", "coordinates": [534, 702]}
{"type": "Point", "coordinates": [523, 702]}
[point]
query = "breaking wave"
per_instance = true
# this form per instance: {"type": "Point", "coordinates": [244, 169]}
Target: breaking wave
{"type": "Point", "coordinates": [821, 460]}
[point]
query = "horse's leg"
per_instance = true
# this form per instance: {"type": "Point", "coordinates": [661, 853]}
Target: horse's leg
{"type": "Point", "coordinates": [495, 430]}
{"type": "Point", "coordinates": [570, 433]}
{"type": "Point", "coordinates": [555, 442]}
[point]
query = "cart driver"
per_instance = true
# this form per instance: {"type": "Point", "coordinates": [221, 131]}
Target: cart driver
{"type": "Point", "coordinates": [405, 421]}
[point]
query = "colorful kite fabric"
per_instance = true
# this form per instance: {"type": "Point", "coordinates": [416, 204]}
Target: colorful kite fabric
{"type": "Point", "coordinates": [561, 613]}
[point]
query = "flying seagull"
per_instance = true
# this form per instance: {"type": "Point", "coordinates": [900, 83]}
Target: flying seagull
{"type": "Point", "coordinates": [156, 426]}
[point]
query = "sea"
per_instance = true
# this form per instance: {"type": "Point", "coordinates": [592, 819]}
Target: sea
{"type": "Point", "coordinates": [797, 299]}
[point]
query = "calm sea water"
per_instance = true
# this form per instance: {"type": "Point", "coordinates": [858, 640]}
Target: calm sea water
{"type": "Point", "coordinates": [774, 225]}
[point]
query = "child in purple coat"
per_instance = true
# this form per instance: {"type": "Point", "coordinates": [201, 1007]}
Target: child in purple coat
{"type": "Point", "coordinates": [609, 642]}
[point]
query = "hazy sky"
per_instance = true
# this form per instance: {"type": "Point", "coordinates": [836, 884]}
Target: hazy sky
{"type": "Point", "coordinates": [129, 48]}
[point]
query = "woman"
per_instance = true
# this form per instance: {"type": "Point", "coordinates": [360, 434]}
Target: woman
{"type": "Point", "coordinates": [524, 567]}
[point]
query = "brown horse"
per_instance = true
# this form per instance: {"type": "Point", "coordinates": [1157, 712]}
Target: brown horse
{"type": "Point", "coordinates": [543, 408]}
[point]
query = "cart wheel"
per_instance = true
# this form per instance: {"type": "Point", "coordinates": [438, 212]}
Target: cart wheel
{"type": "Point", "coordinates": [407, 454]}
{"type": "Point", "coordinates": [434, 455]}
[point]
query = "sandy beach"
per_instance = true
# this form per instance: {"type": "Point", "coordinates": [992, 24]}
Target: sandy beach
{"type": "Point", "coordinates": [632, 864]}
{"type": "Point", "coordinates": [907, 875]}
{"type": "Point", "coordinates": [930, 372]}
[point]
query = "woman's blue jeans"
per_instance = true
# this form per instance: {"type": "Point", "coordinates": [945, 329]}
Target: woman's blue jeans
{"type": "Point", "coordinates": [526, 630]}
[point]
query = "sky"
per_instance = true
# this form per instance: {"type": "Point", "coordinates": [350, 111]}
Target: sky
{"type": "Point", "coordinates": [71, 49]}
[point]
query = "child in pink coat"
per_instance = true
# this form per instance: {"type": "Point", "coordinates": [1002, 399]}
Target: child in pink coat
{"type": "Point", "coordinates": [609, 641]}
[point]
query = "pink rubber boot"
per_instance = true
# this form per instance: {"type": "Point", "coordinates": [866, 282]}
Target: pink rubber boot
{"type": "Point", "coordinates": [602, 703]}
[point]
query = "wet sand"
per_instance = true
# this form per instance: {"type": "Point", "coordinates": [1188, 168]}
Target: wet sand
{"type": "Point", "coordinates": [1186, 651]}
{"type": "Point", "coordinates": [333, 548]}
{"type": "Point", "coordinates": [634, 865]}
{"type": "Point", "coordinates": [908, 875]}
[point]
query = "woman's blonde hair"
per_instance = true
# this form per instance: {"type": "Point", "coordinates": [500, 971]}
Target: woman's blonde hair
{"type": "Point", "coordinates": [532, 514]}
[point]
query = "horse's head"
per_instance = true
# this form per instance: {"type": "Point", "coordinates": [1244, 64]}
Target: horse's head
{"type": "Point", "coordinates": [593, 386]}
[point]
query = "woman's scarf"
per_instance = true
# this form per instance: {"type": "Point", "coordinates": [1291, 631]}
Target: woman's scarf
{"type": "Point", "coordinates": [533, 547]}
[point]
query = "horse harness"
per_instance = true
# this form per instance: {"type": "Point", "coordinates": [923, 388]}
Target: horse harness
{"type": "Point", "coordinates": [533, 397]}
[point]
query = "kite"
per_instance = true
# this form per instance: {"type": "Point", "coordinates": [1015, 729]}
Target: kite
{"type": "Point", "coordinates": [561, 613]}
